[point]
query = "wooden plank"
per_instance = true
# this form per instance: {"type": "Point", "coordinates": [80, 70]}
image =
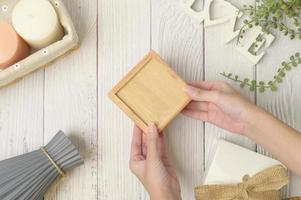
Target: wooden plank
{"type": "Point", "coordinates": [221, 57]}
{"type": "Point", "coordinates": [21, 110]}
{"type": "Point", "coordinates": [124, 38]}
{"type": "Point", "coordinates": [285, 103]}
{"type": "Point", "coordinates": [21, 116]}
{"type": "Point", "coordinates": [180, 43]}
{"type": "Point", "coordinates": [71, 103]}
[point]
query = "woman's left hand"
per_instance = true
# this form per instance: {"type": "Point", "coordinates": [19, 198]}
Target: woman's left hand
{"type": "Point", "coordinates": [149, 162]}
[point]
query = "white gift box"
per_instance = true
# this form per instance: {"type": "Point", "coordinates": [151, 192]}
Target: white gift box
{"type": "Point", "coordinates": [232, 162]}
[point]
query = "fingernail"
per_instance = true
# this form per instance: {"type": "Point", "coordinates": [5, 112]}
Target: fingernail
{"type": "Point", "coordinates": [152, 128]}
{"type": "Point", "coordinates": [189, 89]}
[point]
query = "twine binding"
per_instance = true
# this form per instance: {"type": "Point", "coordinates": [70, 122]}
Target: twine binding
{"type": "Point", "coordinates": [60, 171]}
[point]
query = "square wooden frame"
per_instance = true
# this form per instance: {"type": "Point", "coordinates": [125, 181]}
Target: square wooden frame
{"type": "Point", "coordinates": [130, 112]}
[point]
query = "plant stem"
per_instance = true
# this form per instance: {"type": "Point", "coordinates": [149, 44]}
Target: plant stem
{"type": "Point", "coordinates": [272, 83]}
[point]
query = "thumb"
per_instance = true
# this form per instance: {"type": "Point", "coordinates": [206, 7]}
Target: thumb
{"type": "Point", "coordinates": [152, 142]}
{"type": "Point", "coordinates": [198, 94]}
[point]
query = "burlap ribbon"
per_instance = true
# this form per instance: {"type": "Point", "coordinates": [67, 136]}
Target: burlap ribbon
{"type": "Point", "coordinates": [264, 185]}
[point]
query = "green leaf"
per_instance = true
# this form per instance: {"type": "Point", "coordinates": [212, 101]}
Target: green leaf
{"type": "Point", "coordinates": [288, 67]}
{"type": "Point", "coordinates": [282, 74]}
{"type": "Point", "coordinates": [279, 79]}
{"type": "Point", "coordinates": [229, 75]}
{"type": "Point", "coordinates": [284, 64]}
{"type": "Point", "coordinates": [273, 88]}
{"type": "Point", "coordinates": [261, 83]}
{"type": "Point", "coordinates": [261, 89]}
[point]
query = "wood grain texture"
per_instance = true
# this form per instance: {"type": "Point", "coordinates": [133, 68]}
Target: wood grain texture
{"type": "Point", "coordinates": [124, 38]}
{"type": "Point", "coordinates": [71, 95]}
{"type": "Point", "coordinates": [21, 116]}
{"type": "Point", "coordinates": [221, 57]}
{"type": "Point", "coordinates": [71, 103]}
{"type": "Point", "coordinates": [180, 43]}
{"type": "Point", "coordinates": [151, 93]}
{"type": "Point", "coordinates": [285, 103]}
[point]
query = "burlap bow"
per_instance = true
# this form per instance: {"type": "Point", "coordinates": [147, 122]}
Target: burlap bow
{"type": "Point", "coordinates": [264, 185]}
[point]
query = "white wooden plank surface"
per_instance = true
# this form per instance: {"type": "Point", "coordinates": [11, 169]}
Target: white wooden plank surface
{"type": "Point", "coordinates": [221, 57]}
{"type": "Point", "coordinates": [124, 38]}
{"type": "Point", "coordinates": [285, 103]}
{"type": "Point", "coordinates": [180, 43]}
{"type": "Point", "coordinates": [21, 116]}
{"type": "Point", "coordinates": [71, 95]}
{"type": "Point", "coordinates": [71, 103]}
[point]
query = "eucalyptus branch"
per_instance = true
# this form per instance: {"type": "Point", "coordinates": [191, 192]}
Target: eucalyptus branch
{"type": "Point", "coordinates": [295, 60]}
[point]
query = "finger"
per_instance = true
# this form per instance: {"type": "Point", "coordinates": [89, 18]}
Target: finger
{"type": "Point", "coordinates": [201, 84]}
{"type": "Point", "coordinates": [212, 85]}
{"type": "Point", "coordinates": [198, 106]}
{"type": "Point", "coordinates": [198, 94]}
{"type": "Point", "coordinates": [162, 146]}
{"type": "Point", "coordinates": [144, 145]}
{"type": "Point", "coordinates": [202, 116]}
{"type": "Point", "coordinates": [152, 143]}
{"type": "Point", "coordinates": [136, 146]}
{"type": "Point", "coordinates": [201, 106]}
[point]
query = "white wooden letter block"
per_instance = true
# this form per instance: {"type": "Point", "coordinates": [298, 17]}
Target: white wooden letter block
{"type": "Point", "coordinates": [205, 15]}
{"type": "Point", "coordinates": [230, 16]}
{"type": "Point", "coordinates": [248, 49]}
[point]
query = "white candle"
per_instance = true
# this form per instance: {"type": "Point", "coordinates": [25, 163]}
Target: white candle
{"type": "Point", "coordinates": [37, 23]}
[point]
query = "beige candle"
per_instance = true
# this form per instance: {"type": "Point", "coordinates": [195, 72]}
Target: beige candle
{"type": "Point", "coordinates": [37, 23]}
{"type": "Point", "coordinates": [12, 47]}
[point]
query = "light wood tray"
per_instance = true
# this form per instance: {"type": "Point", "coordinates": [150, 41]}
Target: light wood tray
{"type": "Point", "coordinates": [44, 56]}
{"type": "Point", "coordinates": [150, 93]}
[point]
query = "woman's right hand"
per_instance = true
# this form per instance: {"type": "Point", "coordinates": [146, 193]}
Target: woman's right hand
{"type": "Point", "coordinates": [219, 104]}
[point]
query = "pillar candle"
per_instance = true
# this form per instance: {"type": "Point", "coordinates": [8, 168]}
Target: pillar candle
{"type": "Point", "coordinates": [12, 47]}
{"type": "Point", "coordinates": [37, 23]}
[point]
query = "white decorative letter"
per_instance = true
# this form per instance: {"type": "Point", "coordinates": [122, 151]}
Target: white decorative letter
{"type": "Point", "coordinates": [187, 6]}
{"type": "Point", "coordinates": [205, 14]}
{"type": "Point", "coordinates": [249, 47]}
{"type": "Point", "coordinates": [230, 14]}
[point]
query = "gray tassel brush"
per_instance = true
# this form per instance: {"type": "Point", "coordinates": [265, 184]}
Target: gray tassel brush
{"type": "Point", "coordinates": [29, 176]}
